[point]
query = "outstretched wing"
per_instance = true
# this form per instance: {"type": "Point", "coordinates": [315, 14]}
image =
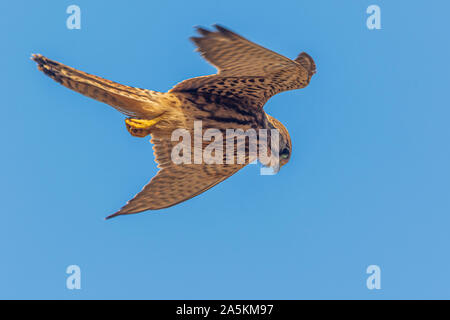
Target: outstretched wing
{"type": "Point", "coordinates": [175, 183]}
{"type": "Point", "coordinates": [234, 55]}
{"type": "Point", "coordinates": [128, 100]}
{"type": "Point", "coordinates": [246, 70]}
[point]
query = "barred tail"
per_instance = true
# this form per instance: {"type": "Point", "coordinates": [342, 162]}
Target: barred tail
{"type": "Point", "coordinates": [128, 100]}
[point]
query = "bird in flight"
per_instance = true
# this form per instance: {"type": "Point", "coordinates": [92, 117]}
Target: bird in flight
{"type": "Point", "coordinates": [248, 75]}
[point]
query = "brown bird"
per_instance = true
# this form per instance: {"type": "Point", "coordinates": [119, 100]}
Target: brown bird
{"type": "Point", "coordinates": [248, 75]}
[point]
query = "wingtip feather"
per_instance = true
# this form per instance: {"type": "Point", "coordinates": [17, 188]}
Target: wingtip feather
{"type": "Point", "coordinates": [202, 31]}
{"type": "Point", "coordinates": [113, 215]}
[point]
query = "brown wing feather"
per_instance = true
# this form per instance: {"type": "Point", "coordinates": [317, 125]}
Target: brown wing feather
{"type": "Point", "coordinates": [175, 183]}
{"type": "Point", "coordinates": [128, 100]}
{"type": "Point", "coordinates": [233, 55]}
{"type": "Point", "coordinates": [245, 70]}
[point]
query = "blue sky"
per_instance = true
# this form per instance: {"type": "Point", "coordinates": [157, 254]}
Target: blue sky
{"type": "Point", "coordinates": [368, 182]}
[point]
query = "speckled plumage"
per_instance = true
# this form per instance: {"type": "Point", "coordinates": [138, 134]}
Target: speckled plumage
{"type": "Point", "coordinates": [248, 75]}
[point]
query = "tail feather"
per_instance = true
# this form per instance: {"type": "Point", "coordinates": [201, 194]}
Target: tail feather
{"type": "Point", "coordinates": [128, 100]}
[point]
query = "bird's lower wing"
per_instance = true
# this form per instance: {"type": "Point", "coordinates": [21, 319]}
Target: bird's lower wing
{"type": "Point", "coordinates": [175, 183]}
{"type": "Point", "coordinates": [172, 186]}
{"type": "Point", "coordinates": [128, 100]}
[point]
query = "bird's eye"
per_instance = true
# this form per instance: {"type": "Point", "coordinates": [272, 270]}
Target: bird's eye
{"type": "Point", "coordinates": [284, 154]}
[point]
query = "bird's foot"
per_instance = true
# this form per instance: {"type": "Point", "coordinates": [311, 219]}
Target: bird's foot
{"type": "Point", "coordinates": [140, 127]}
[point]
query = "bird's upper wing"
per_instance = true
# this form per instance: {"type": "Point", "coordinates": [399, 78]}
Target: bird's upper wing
{"type": "Point", "coordinates": [128, 100]}
{"type": "Point", "coordinates": [175, 183]}
{"type": "Point", "coordinates": [246, 70]}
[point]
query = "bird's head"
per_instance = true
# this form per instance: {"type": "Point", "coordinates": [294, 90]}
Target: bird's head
{"type": "Point", "coordinates": [285, 145]}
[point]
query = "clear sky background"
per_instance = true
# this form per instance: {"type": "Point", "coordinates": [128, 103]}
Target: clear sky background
{"type": "Point", "coordinates": [368, 182]}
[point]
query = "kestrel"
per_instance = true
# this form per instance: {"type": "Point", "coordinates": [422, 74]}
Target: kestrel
{"type": "Point", "coordinates": [248, 75]}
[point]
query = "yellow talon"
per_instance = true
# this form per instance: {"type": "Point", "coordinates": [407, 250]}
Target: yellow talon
{"type": "Point", "coordinates": [142, 123]}
{"type": "Point", "coordinates": [141, 127]}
